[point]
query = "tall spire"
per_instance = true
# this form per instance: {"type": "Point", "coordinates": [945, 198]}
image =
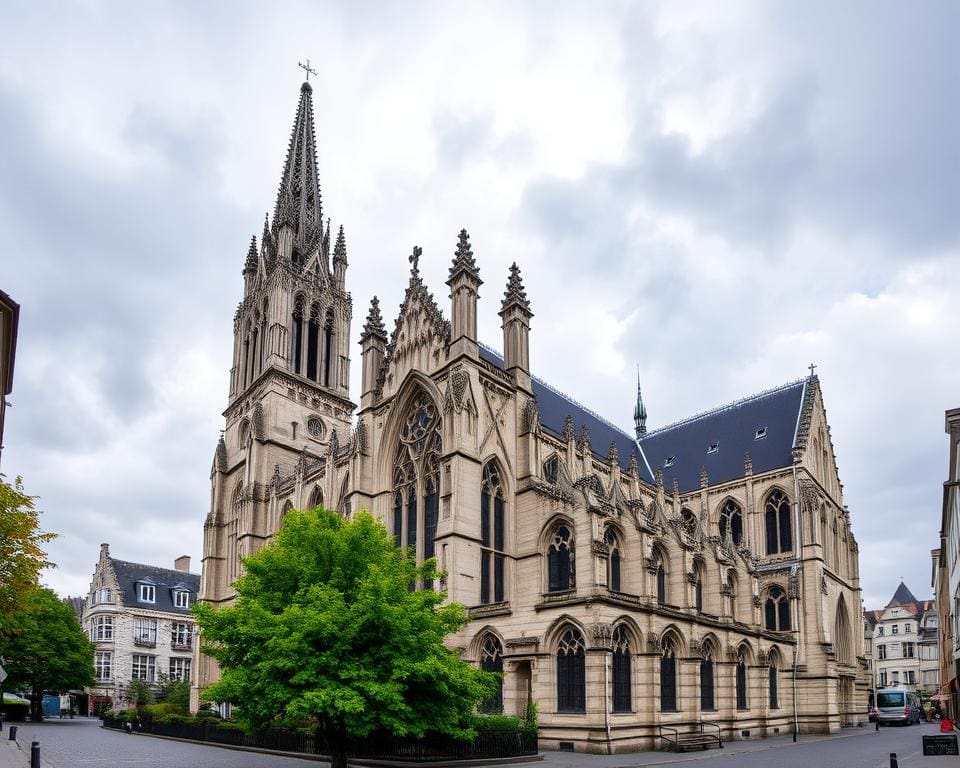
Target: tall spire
{"type": "Point", "coordinates": [251, 263]}
{"type": "Point", "coordinates": [515, 293]}
{"type": "Point", "coordinates": [298, 199]}
{"type": "Point", "coordinates": [340, 249]}
{"type": "Point", "coordinates": [463, 260]}
{"type": "Point", "coordinates": [640, 411]}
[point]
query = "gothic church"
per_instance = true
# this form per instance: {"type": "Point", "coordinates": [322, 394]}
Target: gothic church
{"type": "Point", "coordinates": [629, 584]}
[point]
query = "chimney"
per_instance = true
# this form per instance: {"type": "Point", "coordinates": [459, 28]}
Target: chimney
{"type": "Point", "coordinates": [182, 564]}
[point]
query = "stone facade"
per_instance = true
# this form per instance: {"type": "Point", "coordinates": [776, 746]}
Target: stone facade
{"type": "Point", "coordinates": [9, 323]}
{"type": "Point", "coordinates": [138, 617]}
{"type": "Point", "coordinates": [904, 643]}
{"type": "Point", "coordinates": [947, 575]}
{"type": "Point", "coordinates": [704, 571]}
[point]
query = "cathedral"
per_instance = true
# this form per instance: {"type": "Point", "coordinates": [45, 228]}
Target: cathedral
{"type": "Point", "coordinates": [703, 575]}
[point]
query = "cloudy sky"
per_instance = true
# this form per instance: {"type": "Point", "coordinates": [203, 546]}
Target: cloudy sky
{"type": "Point", "coordinates": [720, 192]}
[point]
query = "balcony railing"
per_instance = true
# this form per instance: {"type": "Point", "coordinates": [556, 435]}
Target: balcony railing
{"type": "Point", "coordinates": [176, 645]}
{"type": "Point", "coordinates": [145, 642]}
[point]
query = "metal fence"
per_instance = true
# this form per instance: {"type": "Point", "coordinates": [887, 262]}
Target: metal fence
{"type": "Point", "coordinates": [431, 748]}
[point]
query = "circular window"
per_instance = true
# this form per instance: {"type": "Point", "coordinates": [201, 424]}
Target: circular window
{"type": "Point", "coordinates": [315, 427]}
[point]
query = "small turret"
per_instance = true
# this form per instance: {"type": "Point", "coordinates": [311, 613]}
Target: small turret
{"type": "Point", "coordinates": [340, 259]}
{"type": "Point", "coordinates": [464, 282]}
{"type": "Point", "coordinates": [515, 314]}
{"type": "Point", "coordinates": [373, 343]}
{"type": "Point", "coordinates": [250, 266]}
{"type": "Point", "coordinates": [640, 411]}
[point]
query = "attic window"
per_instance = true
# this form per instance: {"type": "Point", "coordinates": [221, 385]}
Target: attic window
{"type": "Point", "coordinates": [181, 599]}
{"type": "Point", "coordinates": [668, 462]}
{"type": "Point", "coordinates": [148, 593]}
{"type": "Point", "coordinates": [713, 447]}
{"type": "Point", "coordinates": [760, 433]}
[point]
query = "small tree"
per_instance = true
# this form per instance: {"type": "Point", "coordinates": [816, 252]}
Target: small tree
{"type": "Point", "coordinates": [327, 629]}
{"type": "Point", "coordinates": [174, 692]}
{"type": "Point", "coordinates": [21, 551]}
{"type": "Point", "coordinates": [48, 650]}
{"type": "Point", "coordinates": [139, 693]}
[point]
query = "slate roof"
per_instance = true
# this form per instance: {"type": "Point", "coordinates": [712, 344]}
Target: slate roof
{"type": "Point", "coordinates": [733, 430]}
{"type": "Point", "coordinates": [165, 580]}
{"type": "Point", "coordinates": [554, 408]}
{"type": "Point", "coordinates": [902, 596]}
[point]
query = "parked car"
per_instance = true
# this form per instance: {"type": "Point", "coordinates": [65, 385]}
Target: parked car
{"type": "Point", "coordinates": [897, 705]}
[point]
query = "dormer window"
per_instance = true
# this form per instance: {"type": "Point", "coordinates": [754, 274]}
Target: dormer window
{"type": "Point", "coordinates": [668, 462]}
{"type": "Point", "coordinates": [713, 447]}
{"type": "Point", "coordinates": [760, 433]}
{"type": "Point", "coordinates": [147, 593]}
{"type": "Point", "coordinates": [181, 598]}
{"type": "Point", "coordinates": [103, 596]}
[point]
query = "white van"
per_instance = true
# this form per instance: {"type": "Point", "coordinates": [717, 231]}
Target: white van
{"type": "Point", "coordinates": [898, 705]}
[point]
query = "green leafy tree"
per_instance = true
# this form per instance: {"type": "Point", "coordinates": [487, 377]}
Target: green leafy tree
{"type": "Point", "coordinates": [139, 693]}
{"type": "Point", "coordinates": [22, 556]}
{"type": "Point", "coordinates": [174, 692]}
{"type": "Point", "coordinates": [48, 650]}
{"type": "Point", "coordinates": [326, 630]}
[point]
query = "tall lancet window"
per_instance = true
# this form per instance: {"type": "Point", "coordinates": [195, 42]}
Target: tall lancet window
{"type": "Point", "coordinates": [417, 478]}
{"type": "Point", "coordinates": [491, 535]}
{"type": "Point", "coordinates": [491, 660]}
{"type": "Point", "coordinates": [329, 353]}
{"type": "Point", "coordinates": [313, 340]}
{"type": "Point", "coordinates": [296, 336]}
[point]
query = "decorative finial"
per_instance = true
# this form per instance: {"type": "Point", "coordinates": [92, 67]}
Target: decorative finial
{"type": "Point", "coordinates": [634, 464]}
{"type": "Point", "coordinates": [251, 263]}
{"type": "Point", "coordinates": [568, 428]}
{"type": "Point", "coordinates": [374, 325]}
{"type": "Point", "coordinates": [340, 249]}
{"type": "Point", "coordinates": [515, 293]}
{"type": "Point", "coordinates": [639, 411]}
{"type": "Point", "coordinates": [310, 70]}
{"type": "Point", "coordinates": [813, 368]}
{"type": "Point", "coordinates": [414, 259]}
{"type": "Point", "coordinates": [613, 453]}
{"type": "Point", "coordinates": [584, 438]}
{"type": "Point", "coordinates": [463, 260]}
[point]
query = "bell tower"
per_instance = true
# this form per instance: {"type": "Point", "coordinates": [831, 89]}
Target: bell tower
{"type": "Point", "coordinates": [288, 403]}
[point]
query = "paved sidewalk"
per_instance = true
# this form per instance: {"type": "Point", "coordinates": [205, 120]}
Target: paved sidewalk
{"type": "Point", "coordinates": [16, 754]}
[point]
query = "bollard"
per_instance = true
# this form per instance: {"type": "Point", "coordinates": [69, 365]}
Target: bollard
{"type": "Point", "coordinates": [13, 733]}
{"type": "Point", "coordinates": [893, 760]}
{"type": "Point", "coordinates": [35, 754]}
{"type": "Point", "coordinates": [877, 721]}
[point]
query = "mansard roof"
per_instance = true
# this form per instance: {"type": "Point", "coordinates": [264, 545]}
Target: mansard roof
{"type": "Point", "coordinates": [763, 426]}
{"type": "Point", "coordinates": [555, 407]}
{"type": "Point", "coordinates": [166, 580]}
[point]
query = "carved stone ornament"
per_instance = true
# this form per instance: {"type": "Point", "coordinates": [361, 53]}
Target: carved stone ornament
{"type": "Point", "coordinates": [763, 658]}
{"type": "Point", "coordinates": [696, 647]}
{"type": "Point", "coordinates": [258, 422]}
{"type": "Point", "coordinates": [823, 584]}
{"type": "Point", "coordinates": [600, 548]}
{"type": "Point", "coordinates": [793, 584]}
{"type": "Point", "coordinates": [457, 384]}
{"type": "Point", "coordinates": [732, 653]}
{"type": "Point", "coordinates": [602, 635]}
{"type": "Point", "coordinates": [651, 564]}
{"type": "Point", "coordinates": [756, 601]}
{"type": "Point", "coordinates": [725, 589]}
{"type": "Point", "coordinates": [692, 577]}
{"type": "Point", "coordinates": [653, 643]}
{"type": "Point", "coordinates": [531, 415]}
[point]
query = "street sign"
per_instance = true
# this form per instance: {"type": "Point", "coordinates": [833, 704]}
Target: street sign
{"type": "Point", "coordinates": [941, 744]}
{"type": "Point", "coordinates": [3, 674]}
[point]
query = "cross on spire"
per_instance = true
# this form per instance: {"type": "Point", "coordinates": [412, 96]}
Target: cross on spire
{"type": "Point", "coordinates": [414, 258]}
{"type": "Point", "coordinates": [310, 70]}
{"type": "Point", "coordinates": [813, 368]}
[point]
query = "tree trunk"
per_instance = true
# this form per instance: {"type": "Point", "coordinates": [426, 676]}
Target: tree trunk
{"type": "Point", "coordinates": [36, 705]}
{"type": "Point", "coordinates": [337, 739]}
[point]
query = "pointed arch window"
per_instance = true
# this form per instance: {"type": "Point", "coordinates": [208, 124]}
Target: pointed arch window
{"type": "Point", "coordinates": [622, 700]}
{"type": "Point", "coordinates": [731, 522]}
{"type": "Point", "coordinates": [689, 521]}
{"type": "Point", "coordinates": [777, 523]}
{"type": "Point", "coordinates": [329, 353]}
{"type": "Point", "coordinates": [774, 680]}
{"type": "Point", "coordinates": [560, 560]}
{"type": "Point", "coordinates": [492, 528]}
{"type": "Point", "coordinates": [741, 681]}
{"type": "Point", "coordinates": [296, 336]}
{"type": "Point", "coordinates": [416, 478]}
{"type": "Point", "coordinates": [777, 610]}
{"type": "Point", "coordinates": [668, 677]}
{"type": "Point", "coordinates": [313, 341]}
{"type": "Point", "coordinates": [613, 560]}
{"type": "Point", "coordinates": [661, 573]}
{"type": "Point", "coordinates": [551, 470]}
{"type": "Point", "coordinates": [491, 660]}
{"type": "Point", "coordinates": [571, 672]}
{"type": "Point", "coordinates": [698, 586]}
{"type": "Point", "coordinates": [316, 497]}
{"type": "Point", "coordinates": [707, 698]}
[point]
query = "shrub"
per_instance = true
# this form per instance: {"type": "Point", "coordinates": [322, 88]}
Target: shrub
{"type": "Point", "coordinates": [485, 723]}
{"type": "Point", "coordinates": [530, 722]}
{"type": "Point", "coordinates": [127, 715]}
{"type": "Point", "coordinates": [156, 711]}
